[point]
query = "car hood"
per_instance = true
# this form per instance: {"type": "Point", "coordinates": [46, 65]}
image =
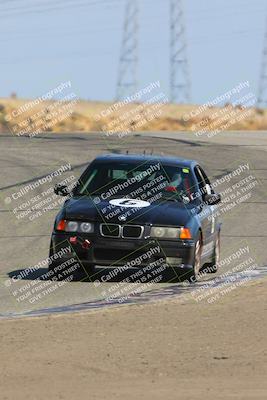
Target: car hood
{"type": "Point", "coordinates": [168, 213]}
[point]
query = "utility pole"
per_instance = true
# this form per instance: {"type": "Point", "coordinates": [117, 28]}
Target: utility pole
{"type": "Point", "coordinates": [127, 77]}
{"type": "Point", "coordinates": [180, 85]}
{"type": "Point", "coordinates": [262, 94]}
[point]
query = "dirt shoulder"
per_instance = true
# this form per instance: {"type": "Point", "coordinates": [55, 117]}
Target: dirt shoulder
{"type": "Point", "coordinates": [176, 349]}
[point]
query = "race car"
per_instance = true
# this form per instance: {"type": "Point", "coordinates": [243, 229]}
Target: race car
{"type": "Point", "coordinates": [153, 209]}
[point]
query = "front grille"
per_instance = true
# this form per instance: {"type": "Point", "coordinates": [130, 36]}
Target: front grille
{"type": "Point", "coordinates": [123, 231]}
{"type": "Point", "coordinates": [132, 231]}
{"type": "Point", "coordinates": [110, 230]}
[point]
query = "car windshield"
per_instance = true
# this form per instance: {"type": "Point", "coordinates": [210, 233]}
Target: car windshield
{"type": "Point", "coordinates": [137, 181]}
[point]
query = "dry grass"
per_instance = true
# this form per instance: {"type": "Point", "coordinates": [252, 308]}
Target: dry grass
{"type": "Point", "coordinates": [87, 117]}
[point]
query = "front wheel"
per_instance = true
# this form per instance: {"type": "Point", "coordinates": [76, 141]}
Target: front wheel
{"type": "Point", "coordinates": [197, 258]}
{"type": "Point", "coordinates": [213, 266]}
{"type": "Point", "coordinates": [192, 276]}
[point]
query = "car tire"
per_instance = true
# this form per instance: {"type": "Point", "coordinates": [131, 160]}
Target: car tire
{"type": "Point", "coordinates": [192, 276]}
{"type": "Point", "coordinates": [212, 267]}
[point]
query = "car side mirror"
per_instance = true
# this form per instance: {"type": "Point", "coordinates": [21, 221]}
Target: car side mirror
{"type": "Point", "coordinates": [212, 199]}
{"type": "Point", "coordinates": [61, 190]}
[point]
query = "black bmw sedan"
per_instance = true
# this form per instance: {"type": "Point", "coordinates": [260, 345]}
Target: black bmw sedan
{"type": "Point", "coordinates": [135, 210]}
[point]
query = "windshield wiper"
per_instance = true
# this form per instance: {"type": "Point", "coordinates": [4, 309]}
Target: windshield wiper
{"type": "Point", "coordinates": [171, 198]}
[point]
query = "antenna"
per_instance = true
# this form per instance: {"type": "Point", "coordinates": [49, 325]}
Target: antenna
{"type": "Point", "coordinates": [127, 77]}
{"type": "Point", "coordinates": [180, 85]}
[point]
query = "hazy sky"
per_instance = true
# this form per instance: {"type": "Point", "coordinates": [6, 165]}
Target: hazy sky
{"type": "Point", "coordinates": [45, 42]}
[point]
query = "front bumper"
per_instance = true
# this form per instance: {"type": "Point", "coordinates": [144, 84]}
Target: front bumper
{"type": "Point", "coordinates": [135, 253]}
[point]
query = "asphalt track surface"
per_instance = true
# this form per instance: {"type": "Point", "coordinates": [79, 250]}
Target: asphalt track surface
{"type": "Point", "coordinates": [25, 239]}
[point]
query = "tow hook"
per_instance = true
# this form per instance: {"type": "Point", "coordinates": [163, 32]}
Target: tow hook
{"type": "Point", "coordinates": [85, 244]}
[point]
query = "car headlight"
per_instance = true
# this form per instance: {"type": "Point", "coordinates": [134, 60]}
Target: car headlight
{"type": "Point", "coordinates": [75, 226]}
{"type": "Point", "coordinates": [71, 226]}
{"type": "Point", "coordinates": [87, 227]}
{"type": "Point", "coordinates": [170, 233]}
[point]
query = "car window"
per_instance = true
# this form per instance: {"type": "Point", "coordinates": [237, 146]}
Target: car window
{"type": "Point", "coordinates": [88, 181]}
{"type": "Point", "coordinates": [208, 186]}
{"type": "Point", "coordinates": [128, 179]}
{"type": "Point", "coordinates": [118, 174]}
{"type": "Point", "coordinates": [203, 182]}
{"type": "Point", "coordinates": [200, 179]}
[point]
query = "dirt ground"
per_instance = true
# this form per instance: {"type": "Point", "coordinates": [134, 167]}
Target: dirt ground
{"type": "Point", "coordinates": [175, 349]}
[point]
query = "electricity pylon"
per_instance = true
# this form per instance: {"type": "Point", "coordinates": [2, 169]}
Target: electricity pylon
{"type": "Point", "coordinates": [180, 86]}
{"type": "Point", "coordinates": [262, 94]}
{"type": "Point", "coordinates": [127, 77]}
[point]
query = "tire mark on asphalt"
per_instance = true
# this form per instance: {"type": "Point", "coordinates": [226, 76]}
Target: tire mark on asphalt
{"type": "Point", "coordinates": [163, 293]}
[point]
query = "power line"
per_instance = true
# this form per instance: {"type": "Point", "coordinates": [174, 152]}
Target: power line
{"type": "Point", "coordinates": [61, 6]}
{"type": "Point", "coordinates": [24, 7]}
